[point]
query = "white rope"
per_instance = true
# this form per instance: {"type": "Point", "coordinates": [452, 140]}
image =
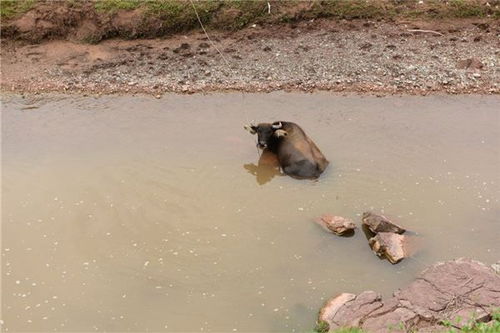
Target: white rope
{"type": "Point", "coordinates": [206, 34]}
{"type": "Point", "coordinates": [215, 47]}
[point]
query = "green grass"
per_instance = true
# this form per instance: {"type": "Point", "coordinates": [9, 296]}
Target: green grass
{"type": "Point", "coordinates": [349, 330]}
{"type": "Point", "coordinates": [245, 12]}
{"type": "Point", "coordinates": [236, 14]}
{"type": "Point", "coordinates": [114, 5]}
{"type": "Point", "coordinates": [164, 17]}
{"type": "Point", "coordinates": [353, 9]}
{"type": "Point", "coordinates": [12, 8]}
{"type": "Point", "coordinates": [473, 327]}
{"type": "Point", "coordinates": [323, 327]}
{"type": "Point", "coordinates": [463, 8]}
{"type": "Point", "coordinates": [438, 9]}
{"type": "Point", "coordinates": [250, 11]}
{"type": "Point", "coordinates": [179, 15]}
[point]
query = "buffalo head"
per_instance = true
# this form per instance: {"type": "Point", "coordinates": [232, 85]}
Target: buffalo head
{"type": "Point", "coordinates": [266, 132]}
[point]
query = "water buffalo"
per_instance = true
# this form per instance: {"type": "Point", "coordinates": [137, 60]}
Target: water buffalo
{"type": "Point", "coordinates": [298, 156]}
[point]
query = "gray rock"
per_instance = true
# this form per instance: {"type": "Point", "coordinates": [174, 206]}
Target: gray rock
{"type": "Point", "coordinates": [336, 224]}
{"type": "Point", "coordinates": [394, 321]}
{"type": "Point", "coordinates": [389, 245]}
{"type": "Point", "coordinates": [434, 329]}
{"type": "Point", "coordinates": [379, 223]}
{"type": "Point", "coordinates": [466, 316]}
{"type": "Point", "coordinates": [346, 310]}
{"type": "Point", "coordinates": [330, 309]}
{"type": "Point", "coordinates": [460, 288]}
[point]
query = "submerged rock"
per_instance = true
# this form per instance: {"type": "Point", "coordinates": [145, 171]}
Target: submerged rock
{"type": "Point", "coordinates": [461, 288]}
{"type": "Point", "coordinates": [336, 224]}
{"type": "Point", "coordinates": [389, 245]}
{"type": "Point", "coordinates": [380, 223]}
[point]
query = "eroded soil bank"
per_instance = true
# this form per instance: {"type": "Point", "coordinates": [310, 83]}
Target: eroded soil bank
{"type": "Point", "coordinates": [457, 56]}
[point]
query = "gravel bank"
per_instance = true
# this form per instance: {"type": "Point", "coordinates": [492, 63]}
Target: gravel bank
{"type": "Point", "coordinates": [458, 56]}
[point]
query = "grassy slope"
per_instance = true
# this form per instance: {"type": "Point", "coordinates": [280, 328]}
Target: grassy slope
{"type": "Point", "coordinates": [257, 10]}
{"type": "Point", "coordinates": [180, 11]}
{"type": "Point", "coordinates": [12, 8]}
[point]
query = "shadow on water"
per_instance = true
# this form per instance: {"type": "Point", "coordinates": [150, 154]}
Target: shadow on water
{"type": "Point", "coordinates": [266, 169]}
{"type": "Point", "coordinates": [368, 233]}
{"type": "Point", "coordinates": [348, 234]}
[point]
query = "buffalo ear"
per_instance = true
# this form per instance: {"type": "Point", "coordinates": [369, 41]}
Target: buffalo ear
{"type": "Point", "coordinates": [251, 128]}
{"type": "Point", "coordinates": [277, 125]}
{"type": "Point", "coordinates": [279, 133]}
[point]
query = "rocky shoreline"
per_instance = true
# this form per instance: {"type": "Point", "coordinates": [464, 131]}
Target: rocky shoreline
{"type": "Point", "coordinates": [453, 294]}
{"type": "Point", "coordinates": [356, 56]}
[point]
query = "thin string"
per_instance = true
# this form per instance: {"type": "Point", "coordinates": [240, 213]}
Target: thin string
{"type": "Point", "coordinates": [215, 47]}
{"type": "Point", "coordinates": [206, 34]}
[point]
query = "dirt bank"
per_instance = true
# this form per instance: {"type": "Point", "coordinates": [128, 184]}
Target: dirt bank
{"type": "Point", "coordinates": [457, 56]}
{"type": "Point", "coordinates": [92, 21]}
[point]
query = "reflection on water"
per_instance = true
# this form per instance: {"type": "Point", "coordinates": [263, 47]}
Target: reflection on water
{"type": "Point", "coordinates": [126, 213]}
{"type": "Point", "coordinates": [267, 168]}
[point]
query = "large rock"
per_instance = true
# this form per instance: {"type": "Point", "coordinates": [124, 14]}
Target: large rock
{"type": "Point", "coordinates": [389, 245]}
{"type": "Point", "coordinates": [458, 291]}
{"type": "Point", "coordinates": [346, 310]}
{"type": "Point", "coordinates": [463, 317]}
{"type": "Point", "coordinates": [380, 223]}
{"type": "Point", "coordinates": [336, 224]}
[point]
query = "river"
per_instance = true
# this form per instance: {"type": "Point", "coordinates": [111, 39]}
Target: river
{"type": "Point", "coordinates": [130, 213]}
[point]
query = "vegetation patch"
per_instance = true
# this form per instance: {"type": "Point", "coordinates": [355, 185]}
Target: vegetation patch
{"type": "Point", "coordinates": [12, 8]}
{"type": "Point", "coordinates": [155, 18]}
{"type": "Point", "coordinates": [274, 10]}
{"type": "Point", "coordinates": [114, 5]}
{"type": "Point", "coordinates": [323, 327]}
{"type": "Point", "coordinates": [493, 326]}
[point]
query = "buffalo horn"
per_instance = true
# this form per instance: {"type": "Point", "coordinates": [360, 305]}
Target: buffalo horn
{"type": "Point", "coordinates": [250, 128]}
{"type": "Point", "coordinates": [280, 133]}
{"type": "Point", "coordinates": [277, 125]}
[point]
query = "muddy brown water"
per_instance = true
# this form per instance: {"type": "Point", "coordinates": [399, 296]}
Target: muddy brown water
{"type": "Point", "coordinates": [129, 213]}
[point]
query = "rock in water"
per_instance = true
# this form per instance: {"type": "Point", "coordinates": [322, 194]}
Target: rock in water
{"type": "Point", "coordinates": [379, 223]}
{"type": "Point", "coordinates": [336, 224]}
{"type": "Point", "coordinates": [389, 245]}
